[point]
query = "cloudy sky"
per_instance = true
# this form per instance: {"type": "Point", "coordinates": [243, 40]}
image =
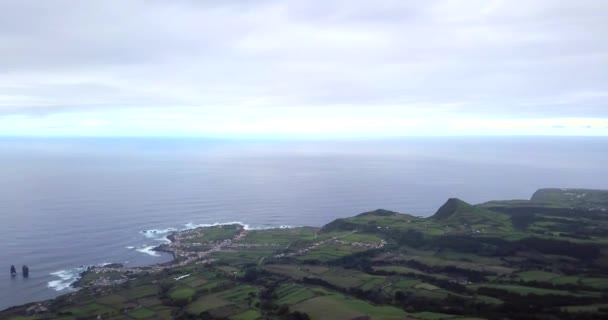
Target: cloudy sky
{"type": "Point", "coordinates": [303, 68]}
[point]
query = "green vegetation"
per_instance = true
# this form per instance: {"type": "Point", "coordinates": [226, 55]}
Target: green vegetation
{"type": "Point", "coordinates": [576, 198]}
{"type": "Point", "coordinates": [216, 233]}
{"type": "Point", "coordinates": [142, 313]}
{"type": "Point", "coordinates": [280, 237]}
{"type": "Point", "coordinates": [182, 293]}
{"type": "Point", "coordinates": [342, 307]}
{"type": "Point", "coordinates": [524, 290]}
{"type": "Point", "coordinates": [536, 276]}
{"type": "Point", "coordinates": [546, 258]}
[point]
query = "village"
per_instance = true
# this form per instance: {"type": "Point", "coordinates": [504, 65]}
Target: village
{"type": "Point", "coordinates": [195, 246]}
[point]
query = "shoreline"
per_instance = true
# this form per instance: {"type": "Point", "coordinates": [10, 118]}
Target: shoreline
{"type": "Point", "coordinates": [169, 248]}
{"type": "Point", "coordinates": [179, 258]}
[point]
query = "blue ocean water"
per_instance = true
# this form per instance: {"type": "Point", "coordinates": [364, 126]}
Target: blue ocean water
{"type": "Point", "coordinates": [66, 203]}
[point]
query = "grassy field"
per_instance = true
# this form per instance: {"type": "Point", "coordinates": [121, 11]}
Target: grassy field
{"type": "Point", "coordinates": [292, 294]}
{"type": "Point", "coordinates": [207, 303]}
{"type": "Point", "coordinates": [244, 255]}
{"type": "Point", "coordinates": [142, 313]}
{"type": "Point", "coordinates": [215, 233]}
{"type": "Point", "coordinates": [280, 237]}
{"type": "Point", "coordinates": [586, 308]}
{"type": "Point", "coordinates": [426, 286]}
{"type": "Point", "coordinates": [406, 283]}
{"type": "Point", "coordinates": [524, 290]}
{"type": "Point", "coordinates": [340, 307]}
{"type": "Point", "coordinates": [536, 276]}
{"type": "Point", "coordinates": [90, 310]}
{"type": "Point", "coordinates": [566, 280]}
{"type": "Point", "coordinates": [296, 272]}
{"type": "Point", "coordinates": [140, 292]}
{"type": "Point", "coordinates": [598, 283]}
{"type": "Point", "coordinates": [350, 237]}
{"type": "Point", "coordinates": [398, 269]}
{"type": "Point", "coordinates": [328, 252]}
{"type": "Point", "coordinates": [248, 315]}
{"type": "Point", "coordinates": [182, 293]}
{"type": "Point", "coordinates": [434, 261]}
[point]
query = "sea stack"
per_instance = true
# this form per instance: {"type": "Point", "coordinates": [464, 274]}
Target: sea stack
{"type": "Point", "coordinates": [26, 271]}
{"type": "Point", "coordinates": [13, 271]}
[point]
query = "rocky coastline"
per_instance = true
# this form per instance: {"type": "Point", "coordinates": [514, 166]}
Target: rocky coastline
{"type": "Point", "coordinates": [180, 247]}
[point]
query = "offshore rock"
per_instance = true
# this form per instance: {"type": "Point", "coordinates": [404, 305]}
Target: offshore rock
{"type": "Point", "coordinates": [26, 271]}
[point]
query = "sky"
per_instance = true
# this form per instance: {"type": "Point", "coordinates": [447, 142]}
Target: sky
{"type": "Point", "coordinates": [300, 69]}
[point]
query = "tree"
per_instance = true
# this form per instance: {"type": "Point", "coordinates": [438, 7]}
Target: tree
{"type": "Point", "coordinates": [399, 296]}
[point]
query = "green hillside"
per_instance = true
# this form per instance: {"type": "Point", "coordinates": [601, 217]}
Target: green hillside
{"type": "Point", "coordinates": [578, 198]}
{"type": "Point", "coordinates": [519, 259]}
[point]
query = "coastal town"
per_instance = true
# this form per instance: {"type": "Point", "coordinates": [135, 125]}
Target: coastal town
{"type": "Point", "coordinates": [196, 246]}
{"type": "Point", "coordinates": [184, 246]}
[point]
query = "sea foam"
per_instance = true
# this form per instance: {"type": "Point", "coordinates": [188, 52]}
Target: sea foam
{"type": "Point", "coordinates": [149, 250]}
{"type": "Point", "coordinates": [66, 278]}
{"type": "Point", "coordinates": [157, 234]}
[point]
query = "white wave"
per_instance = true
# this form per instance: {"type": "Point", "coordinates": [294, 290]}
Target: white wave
{"type": "Point", "coordinates": [148, 250]}
{"type": "Point", "coordinates": [157, 234]}
{"type": "Point", "coordinates": [130, 247]}
{"type": "Point", "coordinates": [66, 278]}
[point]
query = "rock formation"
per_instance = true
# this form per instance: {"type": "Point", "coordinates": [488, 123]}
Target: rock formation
{"type": "Point", "coordinates": [26, 271]}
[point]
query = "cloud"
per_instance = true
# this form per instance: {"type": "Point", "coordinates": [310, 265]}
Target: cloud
{"type": "Point", "coordinates": [311, 59]}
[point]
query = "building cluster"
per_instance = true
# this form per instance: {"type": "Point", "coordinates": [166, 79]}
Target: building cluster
{"type": "Point", "coordinates": [181, 248]}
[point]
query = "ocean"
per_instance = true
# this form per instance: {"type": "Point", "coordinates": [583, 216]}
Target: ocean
{"type": "Point", "coordinates": [66, 203]}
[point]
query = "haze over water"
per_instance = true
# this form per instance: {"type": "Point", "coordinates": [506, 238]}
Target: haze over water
{"type": "Point", "coordinates": [66, 203]}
